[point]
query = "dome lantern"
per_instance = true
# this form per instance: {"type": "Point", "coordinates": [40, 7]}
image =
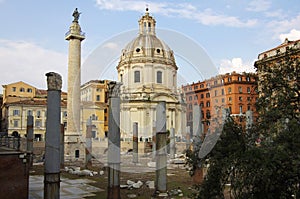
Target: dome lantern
{"type": "Point", "coordinates": [147, 24]}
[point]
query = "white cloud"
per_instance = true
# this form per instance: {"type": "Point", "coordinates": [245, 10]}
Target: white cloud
{"type": "Point", "coordinates": [259, 5]}
{"type": "Point", "coordinates": [292, 35]}
{"type": "Point", "coordinates": [236, 64]}
{"type": "Point", "coordinates": [278, 27]}
{"type": "Point", "coordinates": [29, 62]}
{"type": "Point", "coordinates": [183, 10]}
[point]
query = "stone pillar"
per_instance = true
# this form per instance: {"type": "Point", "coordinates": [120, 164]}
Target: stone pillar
{"type": "Point", "coordinates": [29, 132]}
{"type": "Point", "coordinates": [153, 139]}
{"type": "Point", "coordinates": [88, 149]}
{"type": "Point", "coordinates": [73, 137]}
{"type": "Point", "coordinates": [249, 119]}
{"type": "Point", "coordinates": [52, 141]}
{"type": "Point", "coordinates": [135, 142]}
{"type": "Point", "coordinates": [62, 145]}
{"type": "Point", "coordinates": [197, 126]}
{"type": "Point", "coordinates": [161, 150]}
{"type": "Point", "coordinates": [188, 137]}
{"type": "Point", "coordinates": [172, 143]}
{"type": "Point", "coordinates": [113, 155]}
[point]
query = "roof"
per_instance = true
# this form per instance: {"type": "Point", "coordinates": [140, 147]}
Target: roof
{"type": "Point", "coordinates": [34, 102]}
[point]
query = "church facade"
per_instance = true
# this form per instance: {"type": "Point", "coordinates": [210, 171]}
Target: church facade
{"type": "Point", "coordinates": [148, 72]}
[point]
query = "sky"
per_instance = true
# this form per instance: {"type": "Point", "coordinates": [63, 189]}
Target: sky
{"type": "Point", "coordinates": [230, 33]}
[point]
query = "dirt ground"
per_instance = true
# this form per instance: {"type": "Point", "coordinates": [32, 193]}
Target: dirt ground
{"type": "Point", "coordinates": [177, 178]}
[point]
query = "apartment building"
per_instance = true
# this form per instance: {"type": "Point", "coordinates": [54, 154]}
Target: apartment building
{"type": "Point", "coordinates": [236, 92]}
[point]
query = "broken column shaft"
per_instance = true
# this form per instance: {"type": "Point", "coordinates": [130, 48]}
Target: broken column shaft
{"type": "Point", "coordinates": [172, 143]}
{"type": "Point", "coordinates": [52, 141]}
{"type": "Point", "coordinates": [29, 132]}
{"type": "Point", "coordinates": [161, 150]}
{"type": "Point", "coordinates": [135, 143]}
{"type": "Point", "coordinates": [113, 156]}
{"type": "Point", "coordinates": [88, 149]}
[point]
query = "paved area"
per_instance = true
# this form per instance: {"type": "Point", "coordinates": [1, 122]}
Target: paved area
{"type": "Point", "coordinates": [69, 189]}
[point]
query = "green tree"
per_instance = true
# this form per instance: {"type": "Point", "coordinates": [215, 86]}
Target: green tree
{"type": "Point", "coordinates": [264, 161]}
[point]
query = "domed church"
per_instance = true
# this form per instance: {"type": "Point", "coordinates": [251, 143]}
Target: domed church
{"type": "Point", "coordinates": [148, 72]}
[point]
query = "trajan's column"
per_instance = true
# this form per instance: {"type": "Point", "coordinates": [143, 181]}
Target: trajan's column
{"type": "Point", "coordinates": [74, 142]}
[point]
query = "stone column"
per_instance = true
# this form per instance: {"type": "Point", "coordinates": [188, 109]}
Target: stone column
{"type": "Point", "coordinates": [135, 142]}
{"type": "Point", "coordinates": [73, 136]}
{"type": "Point", "coordinates": [88, 140]}
{"type": "Point", "coordinates": [161, 150]}
{"type": "Point", "coordinates": [249, 119]}
{"type": "Point", "coordinates": [52, 141]}
{"type": "Point", "coordinates": [172, 143]}
{"type": "Point", "coordinates": [197, 126]}
{"type": "Point", "coordinates": [188, 137]}
{"type": "Point", "coordinates": [62, 145]}
{"type": "Point", "coordinates": [113, 155]}
{"type": "Point", "coordinates": [29, 132]}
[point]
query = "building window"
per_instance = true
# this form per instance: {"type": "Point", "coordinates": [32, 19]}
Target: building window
{"type": "Point", "coordinates": [195, 97]}
{"type": "Point", "coordinates": [216, 92]}
{"type": "Point", "coordinates": [195, 87]}
{"type": "Point", "coordinates": [215, 82]}
{"type": "Point", "coordinates": [22, 89]}
{"type": "Point", "coordinates": [159, 77]}
{"type": "Point", "coordinates": [248, 79]}
{"type": "Point", "coordinates": [222, 81]}
{"type": "Point", "coordinates": [38, 123]}
{"type": "Point", "coordinates": [216, 100]}
{"type": "Point", "coordinates": [121, 77]}
{"type": "Point", "coordinates": [248, 108]}
{"type": "Point", "coordinates": [190, 106]}
{"type": "Point", "coordinates": [14, 89]}
{"type": "Point", "coordinates": [208, 114]}
{"type": "Point", "coordinates": [16, 123]}
{"type": "Point", "coordinates": [202, 86]}
{"type": "Point", "coordinates": [38, 114]}
{"type": "Point", "coordinates": [137, 76]}
{"type": "Point", "coordinates": [77, 153]}
{"type": "Point", "coordinates": [98, 98]}
{"type": "Point", "coordinates": [240, 89]}
{"type": "Point", "coordinates": [229, 90]}
{"type": "Point", "coordinates": [248, 90]}
{"type": "Point", "coordinates": [201, 104]}
{"type": "Point", "coordinates": [222, 91]}
{"type": "Point", "coordinates": [241, 109]}
{"type": "Point", "coordinates": [229, 109]}
{"type": "Point", "coordinates": [248, 99]}
{"type": "Point", "coordinates": [207, 104]}
{"type": "Point", "coordinates": [29, 90]}
{"type": "Point", "coordinates": [229, 79]}
{"type": "Point", "coordinates": [207, 95]}
{"type": "Point", "coordinates": [190, 98]}
{"type": "Point", "coordinates": [223, 100]}
{"type": "Point", "coordinates": [202, 96]}
{"type": "Point", "coordinates": [16, 112]}
{"type": "Point", "coordinates": [29, 113]}
{"type": "Point", "coordinates": [239, 78]}
{"type": "Point", "coordinates": [229, 99]}
{"type": "Point", "coordinates": [240, 98]}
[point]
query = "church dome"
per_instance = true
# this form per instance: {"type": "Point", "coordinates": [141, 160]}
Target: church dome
{"type": "Point", "coordinates": [147, 47]}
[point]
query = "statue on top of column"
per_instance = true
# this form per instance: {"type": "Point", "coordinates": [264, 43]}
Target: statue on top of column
{"type": "Point", "coordinates": [76, 15]}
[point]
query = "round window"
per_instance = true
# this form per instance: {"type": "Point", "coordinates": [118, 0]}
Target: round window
{"type": "Point", "coordinates": [138, 50]}
{"type": "Point", "coordinates": [158, 50]}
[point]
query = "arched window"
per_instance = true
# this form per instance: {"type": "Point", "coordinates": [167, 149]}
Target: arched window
{"type": "Point", "coordinates": [159, 77]}
{"type": "Point", "coordinates": [137, 76]}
